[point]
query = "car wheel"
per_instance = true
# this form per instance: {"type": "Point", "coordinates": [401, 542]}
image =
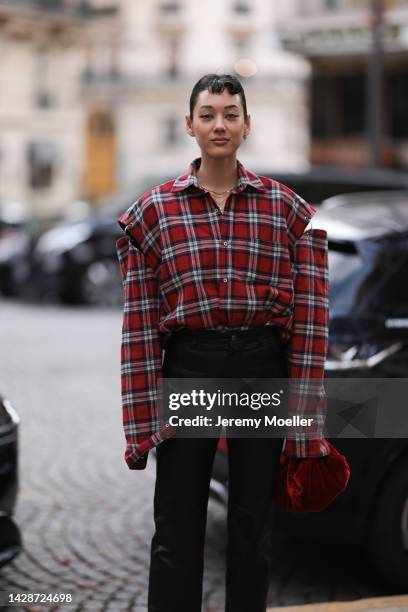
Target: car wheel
{"type": "Point", "coordinates": [388, 533]}
{"type": "Point", "coordinates": [102, 284]}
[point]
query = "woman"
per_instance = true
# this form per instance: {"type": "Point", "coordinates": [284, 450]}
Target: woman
{"type": "Point", "coordinates": [207, 270]}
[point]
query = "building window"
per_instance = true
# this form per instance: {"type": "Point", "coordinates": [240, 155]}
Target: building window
{"type": "Point", "coordinates": [338, 106]}
{"type": "Point", "coordinates": [173, 60]}
{"type": "Point", "coordinates": [42, 91]}
{"type": "Point", "coordinates": [43, 100]}
{"type": "Point", "coordinates": [361, 4]}
{"type": "Point", "coordinates": [241, 7]}
{"type": "Point", "coordinates": [41, 157]}
{"type": "Point", "coordinates": [170, 7]}
{"type": "Point", "coordinates": [397, 92]}
{"type": "Point", "coordinates": [325, 107]}
{"type": "Point", "coordinates": [332, 4]}
{"type": "Point", "coordinates": [51, 4]}
{"type": "Point", "coordinates": [171, 132]}
{"type": "Point", "coordinates": [353, 94]}
{"type": "Point", "coordinates": [241, 45]}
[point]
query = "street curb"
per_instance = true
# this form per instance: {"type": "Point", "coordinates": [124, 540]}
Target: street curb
{"type": "Point", "coordinates": [396, 603]}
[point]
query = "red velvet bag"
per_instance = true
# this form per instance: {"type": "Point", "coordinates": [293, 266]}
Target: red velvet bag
{"type": "Point", "coordinates": [311, 484]}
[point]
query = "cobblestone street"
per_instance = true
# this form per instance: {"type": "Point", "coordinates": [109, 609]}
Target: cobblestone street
{"type": "Point", "coordinates": [86, 519]}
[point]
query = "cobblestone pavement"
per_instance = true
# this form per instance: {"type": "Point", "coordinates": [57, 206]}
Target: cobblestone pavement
{"type": "Point", "coordinates": [86, 520]}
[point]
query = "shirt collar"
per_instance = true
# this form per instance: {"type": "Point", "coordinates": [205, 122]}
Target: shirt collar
{"type": "Point", "coordinates": [245, 177]}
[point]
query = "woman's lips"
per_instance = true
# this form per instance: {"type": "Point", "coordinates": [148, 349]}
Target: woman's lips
{"type": "Point", "coordinates": [220, 140]}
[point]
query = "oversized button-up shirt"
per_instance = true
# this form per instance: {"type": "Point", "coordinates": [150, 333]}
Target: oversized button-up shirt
{"type": "Point", "coordinates": [186, 263]}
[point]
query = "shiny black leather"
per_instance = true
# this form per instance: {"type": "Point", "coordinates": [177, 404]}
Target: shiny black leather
{"type": "Point", "coordinates": [184, 467]}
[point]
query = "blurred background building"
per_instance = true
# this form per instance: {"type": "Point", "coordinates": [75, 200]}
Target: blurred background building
{"type": "Point", "coordinates": [93, 94]}
{"type": "Point", "coordinates": [44, 130]}
{"type": "Point", "coordinates": [167, 46]}
{"type": "Point", "coordinates": [336, 36]}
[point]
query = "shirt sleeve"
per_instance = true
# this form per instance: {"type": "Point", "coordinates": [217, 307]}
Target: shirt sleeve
{"type": "Point", "coordinates": [298, 216]}
{"type": "Point", "coordinates": [141, 353]}
{"type": "Point", "coordinates": [306, 347]}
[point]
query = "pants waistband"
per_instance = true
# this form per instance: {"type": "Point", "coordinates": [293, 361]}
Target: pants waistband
{"type": "Point", "coordinates": [216, 336]}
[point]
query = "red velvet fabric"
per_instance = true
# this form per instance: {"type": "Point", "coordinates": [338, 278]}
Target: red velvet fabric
{"type": "Point", "coordinates": [311, 484]}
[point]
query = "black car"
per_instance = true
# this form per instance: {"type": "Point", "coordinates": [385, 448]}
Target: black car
{"type": "Point", "coordinates": [321, 182]}
{"type": "Point", "coordinates": [77, 262]}
{"type": "Point", "coordinates": [15, 243]}
{"type": "Point", "coordinates": [10, 538]}
{"type": "Point", "coordinates": [368, 338]}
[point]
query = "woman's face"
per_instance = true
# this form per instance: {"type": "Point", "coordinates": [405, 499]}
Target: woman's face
{"type": "Point", "coordinates": [218, 116]}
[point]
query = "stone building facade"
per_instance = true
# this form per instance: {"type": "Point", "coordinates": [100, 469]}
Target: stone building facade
{"type": "Point", "coordinates": [93, 94]}
{"type": "Point", "coordinates": [335, 36]}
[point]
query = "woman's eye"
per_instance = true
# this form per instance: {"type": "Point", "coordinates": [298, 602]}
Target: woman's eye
{"type": "Point", "coordinates": [230, 115]}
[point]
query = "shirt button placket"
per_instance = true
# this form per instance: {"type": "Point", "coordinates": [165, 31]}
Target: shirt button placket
{"type": "Point", "coordinates": [223, 288]}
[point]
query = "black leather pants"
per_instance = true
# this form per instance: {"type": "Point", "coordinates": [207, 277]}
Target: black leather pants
{"type": "Point", "coordinates": [184, 467]}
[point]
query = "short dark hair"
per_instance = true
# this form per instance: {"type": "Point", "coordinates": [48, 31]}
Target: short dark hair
{"type": "Point", "coordinates": [216, 83]}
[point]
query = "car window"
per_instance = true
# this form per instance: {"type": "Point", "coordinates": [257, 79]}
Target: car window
{"type": "Point", "coordinates": [371, 278]}
{"type": "Point", "coordinates": [391, 295]}
{"type": "Point", "coordinates": [346, 274]}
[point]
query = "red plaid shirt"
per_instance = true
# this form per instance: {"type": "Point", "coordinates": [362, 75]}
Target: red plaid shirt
{"type": "Point", "coordinates": [184, 263]}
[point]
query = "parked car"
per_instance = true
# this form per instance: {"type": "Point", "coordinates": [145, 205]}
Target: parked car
{"type": "Point", "coordinates": [321, 182]}
{"type": "Point", "coordinates": [10, 537]}
{"type": "Point", "coordinates": [368, 266]}
{"type": "Point", "coordinates": [15, 243]}
{"type": "Point", "coordinates": [76, 261]}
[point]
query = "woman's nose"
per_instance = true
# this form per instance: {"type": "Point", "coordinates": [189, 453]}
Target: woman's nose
{"type": "Point", "coordinates": [219, 123]}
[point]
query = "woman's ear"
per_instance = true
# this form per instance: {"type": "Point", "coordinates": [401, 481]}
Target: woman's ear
{"type": "Point", "coordinates": [189, 127]}
{"type": "Point", "coordinates": [247, 127]}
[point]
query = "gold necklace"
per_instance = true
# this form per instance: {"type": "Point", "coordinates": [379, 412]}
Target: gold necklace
{"type": "Point", "coordinates": [216, 192]}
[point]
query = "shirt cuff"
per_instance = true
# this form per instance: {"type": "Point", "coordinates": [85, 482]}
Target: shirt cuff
{"type": "Point", "coordinates": [135, 463]}
{"type": "Point", "coordinates": [304, 449]}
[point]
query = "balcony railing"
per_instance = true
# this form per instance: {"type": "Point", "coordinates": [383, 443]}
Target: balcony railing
{"type": "Point", "coordinates": [69, 8]}
{"type": "Point", "coordinates": [316, 8]}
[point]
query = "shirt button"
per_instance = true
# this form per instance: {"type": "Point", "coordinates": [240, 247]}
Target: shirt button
{"type": "Point", "coordinates": [225, 243]}
{"type": "Point", "coordinates": [225, 280]}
